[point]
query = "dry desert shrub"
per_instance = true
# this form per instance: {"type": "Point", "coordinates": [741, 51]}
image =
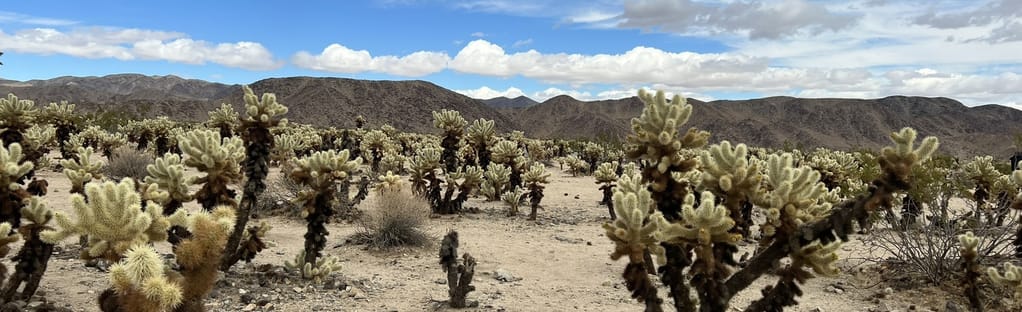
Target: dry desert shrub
{"type": "Point", "coordinates": [128, 163]}
{"type": "Point", "coordinates": [398, 220]}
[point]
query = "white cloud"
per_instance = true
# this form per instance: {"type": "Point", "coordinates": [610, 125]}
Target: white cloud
{"type": "Point", "coordinates": [478, 34]}
{"type": "Point", "coordinates": [522, 43]}
{"type": "Point", "coordinates": [12, 17]}
{"type": "Point", "coordinates": [132, 44]}
{"type": "Point", "coordinates": [753, 19]}
{"type": "Point", "coordinates": [340, 59]}
{"type": "Point", "coordinates": [485, 92]}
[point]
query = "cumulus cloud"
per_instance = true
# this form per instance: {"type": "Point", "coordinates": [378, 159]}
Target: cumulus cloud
{"type": "Point", "coordinates": [132, 44]}
{"type": "Point", "coordinates": [485, 92]}
{"type": "Point", "coordinates": [755, 19]}
{"type": "Point", "coordinates": [340, 59]}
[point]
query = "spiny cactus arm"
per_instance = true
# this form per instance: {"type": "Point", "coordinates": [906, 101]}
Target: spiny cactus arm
{"type": "Point", "coordinates": [225, 115]}
{"type": "Point", "coordinates": [536, 174]}
{"type": "Point", "coordinates": [36, 211]}
{"type": "Point", "coordinates": [13, 166]}
{"type": "Point", "coordinates": [209, 153]}
{"type": "Point", "coordinates": [39, 136]}
{"type": "Point", "coordinates": [321, 169]}
{"type": "Point", "coordinates": [449, 120]}
{"type": "Point", "coordinates": [265, 111]}
{"type": "Point", "coordinates": [606, 173]}
{"type": "Point", "coordinates": [705, 225]}
{"type": "Point", "coordinates": [793, 198]}
{"type": "Point", "coordinates": [896, 163]}
{"type": "Point", "coordinates": [168, 173]}
{"type": "Point", "coordinates": [16, 113]}
{"type": "Point", "coordinates": [1011, 279]}
{"type": "Point", "coordinates": [113, 220]}
{"type": "Point", "coordinates": [199, 256]}
{"type": "Point", "coordinates": [6, 238]}
{"type": "Point", "coordinates": [389, 183]}
{"type": "Point", "coordinates": [140, 282]}
{"type": "Point", "coordinates": [482, 132]}
{"type": "Point", "coordinates": [314, 271]}
{"type": "Point", "coordinates": [636, 228]}
{"type": "Point", "coordinates": [84, 168]}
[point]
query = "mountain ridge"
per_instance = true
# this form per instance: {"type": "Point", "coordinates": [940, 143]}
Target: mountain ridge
{"type": "Point", "coordinates": [771, 121]}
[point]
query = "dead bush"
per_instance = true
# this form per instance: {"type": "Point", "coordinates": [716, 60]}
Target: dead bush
{"type": "Point", "coordinates": [127, 163]}
{"type": "Point", "coordinates": [398, 220]}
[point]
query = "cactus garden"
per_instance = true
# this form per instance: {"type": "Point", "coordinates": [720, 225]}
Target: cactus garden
{"type": "Point", "coordinates": [263, 214]}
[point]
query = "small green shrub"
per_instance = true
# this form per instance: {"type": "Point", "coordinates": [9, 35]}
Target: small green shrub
{"type": "Point", "coordinates": [128, 163]}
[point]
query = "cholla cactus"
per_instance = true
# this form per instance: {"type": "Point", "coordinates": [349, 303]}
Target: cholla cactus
{"type": "Point", "coordinates": [970, 265]}
{"type": "Point", "coordinates": [634, 232]}
{"type": "Point", "coordinates": [62, 117]}
{"type": "Point", "coordinates": [729, 174]}
{"type": "Point", "coordinates": [423, 167]}
{"type": "Point", "coordinates": [980, 175]}
{"type": "Point", "coordinates": [834, 166]}
{"type": "Point", "coordinates": [321, 171]}
{"type": "Point", "coordinates": [513, 198]}
{"type": "Point", "coordinates": [220, 159]}
{"type": "Point", "coordinates": [606, 175]}
{"type": "Point", "coordinates": [224, 119]}
{"type": "Point", "coordinates": [535, 180]}
{"type": "Point", "coordinates": [792, 200]}
{"type": "Point", "coordinates": [376, 142]}
{"type": "Point", "coordinates": [464, 182]}
{"type": "Point", "coordinates": [453, 125]}
{"type": "Point", "coordinates": [14, 169]}
{"type": "Point", "coordinates": [497, 178]}
{"type": "Point", "coordinates": [167, 173]}
{"type": "Point", "coordinates": [112, 219]}
{"type": "Point", "coordinates": [482, 135]}
{"type": "Point", "coordinates": [392, 161]}
{"type": "Point", "coordinates": [389, 183]}
{"type": "Point", "coordinates": [260, 117]}
{"type": "Point", "coordinates": [142, 283]}
{"type": "Point", "coordinates": [1011, 279]}
{"type": "Point", "coordinates": [315, 271]}
{"type": "Point", "coordinates": [16, 115]}
{"type": "Point", "coordinates": [82, 169]}
{"type": "Point", "coordinates": [507, 153]}
{"type": "Point", "coordinates": [33, 255]}
{"type": "Point", "coordinates": [577, 165]}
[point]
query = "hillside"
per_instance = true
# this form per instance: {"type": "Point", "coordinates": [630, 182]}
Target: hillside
{"type": "Point", "coordinates": [775, 121]}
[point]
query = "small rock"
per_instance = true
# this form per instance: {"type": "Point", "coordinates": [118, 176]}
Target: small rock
{"type": "Point", "coordinates": [504, 276]}
{"type": "Point", "coordinates": [247, 298]}
{"type": "Point", "coordinates": [242, 291]}
{"type": "Point", "coordinates": [817, 309]}
{"type": "Point", "coordinates": [297, 289]}
{"type": "Point", "coordinates": [249, 307]}
{"type": "Point", "coordinates": [440, 281]}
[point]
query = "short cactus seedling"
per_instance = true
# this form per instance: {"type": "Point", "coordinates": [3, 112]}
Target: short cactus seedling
{"type": "Point", "coordinates": [459, 275]}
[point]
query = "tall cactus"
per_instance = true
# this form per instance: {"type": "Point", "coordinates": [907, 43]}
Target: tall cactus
{"type": "Point", "coordinates": [321, 172]}
{"type": "Point", "coordinates": [482, 136]}
{"type": "Point", "coordinates": [220, 159]}
{"type": "Point", "coordinates": [453, 125]}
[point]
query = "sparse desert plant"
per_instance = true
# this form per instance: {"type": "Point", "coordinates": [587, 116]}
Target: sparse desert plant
{"type": "Point", "coordinates": [261, 115]}
{"type": "Point", "coordinates": [127, 163]}
{"type": "Point", "coordinates": [16, 115]}
{"type": "Point", "coordinates": [459, 275]}
{"type": "Point", "coordinates": [398, 220]}
{"type": "Point", "coordinates": [535, 180]}
{"type": "Point", "coordinates": [321, 172]}
{"type": "Point", "coordinates": [650, 217]}
{"type": "Point", "coordinates": [224, 119]}
{"type": "Point", "coordinates": [482, 136]}
{"type": "Point", "coordinates": [220, 159]}
{"type": "Point", "coordinates": [453, 125]}
{"type": "Point", "coordinates": [606, 176]}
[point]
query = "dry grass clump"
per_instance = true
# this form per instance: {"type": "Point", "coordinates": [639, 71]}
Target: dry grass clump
{"type": "Point", "coordinates": [397, 221]}
{"type": "Point", "coordinates": [127, 163]}
{"type": "Point", "coordinates": [278, 198]}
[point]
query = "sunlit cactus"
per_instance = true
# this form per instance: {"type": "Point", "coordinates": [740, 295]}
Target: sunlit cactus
{"type": "Point", "coordinates": [220, 159]}
{"type": "Point", "coordinates": [389, 183]}
{"type": "Point", "coordinates": [224, 119]}
{"type": "Point", "coordinates": [606, 176]}
{"type": "Point", "coordinates": [167, 172]}
{"type": "Point", "coordinates": [535, 180]}
{"type": "Point", "coordinates": [507, 153]}
{"type": "Point", "coordinates": [321, 172]}
{"type": "Point", "coordinates": [513, 199]}
{"type": "Point", "coordinates": [482, 135]}
{"type": "Point", "coordinates": [82, 169]}
{"type": "Point", "coordinates": [16, 115]}
{"type": "Point", "coordinates": [376, 142]}
{"type": "Point", "coordinates": [496, 183]}
{"type": "Point", "coordinates": [112, 218]}
{"type": "Point", "coordinates": [423, 167]}
{"type": "Point", "coordinates": [316, 271]}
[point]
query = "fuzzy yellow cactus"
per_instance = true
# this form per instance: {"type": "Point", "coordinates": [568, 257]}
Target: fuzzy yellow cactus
{"type": "Point", "coordinates": [323, 268]}
{"type": "Point", "coordinates": [6, 238]}
{"type": "Point", "coordinates": [208, 153]}
{"type": "Point", "coordinates": [322, 169]}
{"type": "Point", "coordinates": [821, 258]}
{"type": "Point", "coordinates": [729, 170]}
{"type": "Point", "coordinates": [637, 227]}
{"type": "Point", "coordinates": [900, 159]}
{"type": "Point", "coordinates": [112, 219]}
{"type": "Point", "coordinates": [392, 161]}
{"type": "Point", "coordinates": [223, 116]}
{"type": "Point", "coordinates": [375, 140]}
{"type": "Point", "coordinates": [39, 136]}
{"type": "Point", "coordinates": [606, 172]}
{"type": "Point", "coordinates": [1011, 278]}
{"type": "Point", "coordinates": [536, 175]}
{"type": "Point", "coordinates": [655, 136]}
{"type": "Point", "coordinates": [507, 152]}
{"type": "Point", "coordinates": [793, 196]}
{"type": "Point", "coordinates": [167, 172]}
{"type": "Point", "coordinates": [36, 211]}
{"type": "Point", "coordinates": [389, 183]}
{"type": "Point", "coordinates": [703, 225]}
{"type": "Point", "coordinates": [82, 170]}
{"type": "Point", "coordinates": [265, 111]}
{"type": "Point", "coordinates": [16, 113]}
{"type": "Point", "coordinates": [482, 132]}
{"type": "Point", "coordinates": [513, 199]}
{"type": "Point", "coordinates": [449, 121]}
{"type": "Point", "coordinates": [140, 278]}
{"type": "Point", "coordinates": [14, 166]}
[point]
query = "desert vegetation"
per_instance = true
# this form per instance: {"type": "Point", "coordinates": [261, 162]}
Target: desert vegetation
{"type": "Point", "coordinates": [164, 211]}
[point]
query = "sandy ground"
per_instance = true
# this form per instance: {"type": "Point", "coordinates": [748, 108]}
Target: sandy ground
{"type": "Point", "coordinates": [561, 263]}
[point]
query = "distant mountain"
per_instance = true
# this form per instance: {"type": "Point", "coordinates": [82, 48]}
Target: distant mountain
{"type": "Point", "coordinates": [775, 121]}
{"type": "Point", "coordinates": [505, 102]}
{"type": "Point", "coordinates": [406, 105]}
{"type": "Point", "coordinates": [771, 122]}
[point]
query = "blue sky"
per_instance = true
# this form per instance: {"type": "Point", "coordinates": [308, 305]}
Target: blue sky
{"type": "Point", "coordinates": [967, 50]}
